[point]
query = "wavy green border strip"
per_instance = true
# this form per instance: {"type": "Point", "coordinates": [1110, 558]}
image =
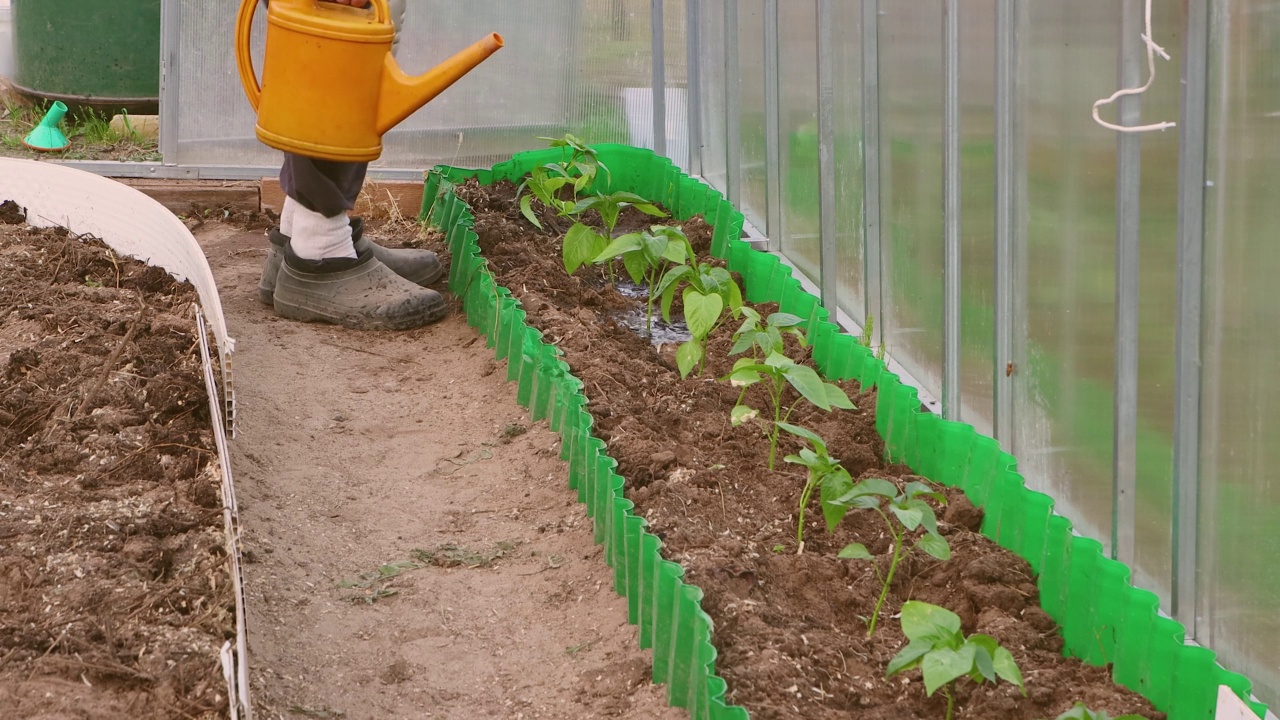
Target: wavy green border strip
{"type": "Point", "coordinates": [1104, 619]}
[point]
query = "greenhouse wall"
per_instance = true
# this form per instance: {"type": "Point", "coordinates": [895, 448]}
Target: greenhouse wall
{"type": "Point", "coordinates": [1097, 301]}
{"type": "Point", "coordinates": [1125, 272]}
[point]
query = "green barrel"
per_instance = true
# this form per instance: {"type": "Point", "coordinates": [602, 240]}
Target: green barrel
{"type": "Point", "coordinates": [103, 54]}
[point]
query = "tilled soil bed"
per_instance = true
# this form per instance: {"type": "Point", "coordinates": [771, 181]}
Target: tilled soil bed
{"type": "Point", "coordinates": [789, 627]}
{"type": "Point", "coordinates": [115, 594]}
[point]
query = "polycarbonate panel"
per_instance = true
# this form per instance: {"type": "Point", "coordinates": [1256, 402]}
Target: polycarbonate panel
{"type": "Point", "coordinates": [568, 65]}
{"type": "Point", "coordinates": [1239, 495]}
{"type": "Point", "coordinates": [713, 100]}
{"type": "Point", "coordinates": [911, 87]}
{"type": "Point", "coordinates": [977, 212]}
{"type": "Point", "coordinates": [751, 112]}
{"type": "Point", "coordinates": [850, 249]}
{"type": "Point", "coordinates": [1064, 385]}
{"type": "Point", "coordinates": [798, 128]}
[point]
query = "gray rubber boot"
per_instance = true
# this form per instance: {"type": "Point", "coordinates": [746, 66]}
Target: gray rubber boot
{"type": "Point", "coordinates": [360, 293]}
{"type": "Point", "coordinates": [420, 267]}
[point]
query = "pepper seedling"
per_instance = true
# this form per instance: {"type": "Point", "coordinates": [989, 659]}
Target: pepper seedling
{"type": "Point", "coordinates": [767, 338]}
{"type": "Point", "coordinates": [545, 182]}
{"type": "Point", "coordinates": [582, 243]}
{"type": "Point", "coordinates": [944, 654]}
{"type": "Point", "coordinates": [779, 371]}
{"type": "Point", "coordinates": [825, 474]}
{"type": "Point", "coordinates": [910, 512]}
{"type": "Point", "coordinates": [1082, 712]}
{"type": "Point", "coordinates": [646, 255]}
{"type": "Point", "coordinates": [709, 291]}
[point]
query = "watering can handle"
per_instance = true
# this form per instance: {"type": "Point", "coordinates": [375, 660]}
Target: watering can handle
{"type": "Point", "coordinates": [244, 57]}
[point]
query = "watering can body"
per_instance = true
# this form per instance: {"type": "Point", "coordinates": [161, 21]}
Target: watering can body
{"type": "Point", "coordinates": [330, 86]}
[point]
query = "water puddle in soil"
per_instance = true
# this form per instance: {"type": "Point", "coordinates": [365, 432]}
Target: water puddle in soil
{"type": "Point", "coordinates": [664, 333]}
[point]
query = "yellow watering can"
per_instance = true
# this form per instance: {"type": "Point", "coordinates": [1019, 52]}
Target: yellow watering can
{"type": "Point", "coordinates": [330, 87]}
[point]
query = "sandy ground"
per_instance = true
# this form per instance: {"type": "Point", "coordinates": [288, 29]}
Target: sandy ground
{"type": "Point", "coordinates": [408, 451]}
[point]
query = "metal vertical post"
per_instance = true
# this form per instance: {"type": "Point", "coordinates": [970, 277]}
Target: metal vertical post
{"type": "Point", "coordinates": [733, 103]}
{"type": "Point", "coordinates": [827, 155]}
{"type": "Point", "coordinates": [772, 127]}
{"type": "Point", "coordinates": [1128, 226]}
{"type": "Point", "coordinates": [693, 55]}
{"type": "Point", "coordinates": [1191, 232]}
{"type": "Point", "coordinates": [1009, 230]}
{"type": "Point", "coordinates": [170, 59]}
{"type": "Point", "coordinates": [951, 211]}
{"type": "Point", "coordinates": [658, 33]}
{"type": "Point", "coordinates": [871, 163]}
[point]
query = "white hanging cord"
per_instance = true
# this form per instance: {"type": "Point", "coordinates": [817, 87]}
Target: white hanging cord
{"type": "Point", "coordinates": [1152, 50]}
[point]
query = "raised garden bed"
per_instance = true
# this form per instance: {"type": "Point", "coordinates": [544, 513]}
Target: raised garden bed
{"type": "Point", "coordinates": [698, 512]}
{"type": "Point", "coordinates": [116, 597]}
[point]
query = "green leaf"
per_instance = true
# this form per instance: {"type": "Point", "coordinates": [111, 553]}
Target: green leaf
{"type": "Point", "coordinates": [526, 209]}
{"type": "Point", "coordinates": [837, 398]}
{"type": "Point", "coordinates": [688, 355]}
{"type": "Point", "coordinates": [806, 381]}
{"type": "Point", "coordinates": [982, 663]}
{"type": "Point", "coordinates": [872, 486]}
{"type": "Point", "coordinates": [908, 657]}
{"type": "Point", "coordinates": [779, 361]}
{"type": "Point", "coordinates": [928, 519]}
{"type": "Point", "coordinates": [909, 517]}
{"type": "Point", "coordinates": [741, 414]}
{"type": "Point", "coordinates": [636, 265]}
{"type": "Point", "coordinates": [649, 209]}
{"type": "Point", "coordinates": [943, 665]}
{"type": "Point", "coordinates": [834, 486]}
{"type": "Point", "coordinates": [862, 502]}
{"type": "Point", "coordinates": [735, 296]}
{"type": "Point", "coordinates": [921, 620]}
{"type": "Point", "coordinates": [795, 460]}
{"type": "Point", "coordinates": [743, 343]}
{"type": "Point", "coordinates": [701, 312]}
{"type": "Point", "coordinates": [655, 247]}
{"type": "Point", "coordinates": [784, 320]}
{"type": "Point", "coordinates": [1006, 668]}
{"type": "Point", "coordinates": [620, 246]}
{"type": "Point", "coordinates": [805, 433]}
{"type": "Point", "coordinates": [935, 545]}
{"type": "Point", "coordinates": [668, 297]}
{"type": "Point", "coordinates": [856, 551]}
{"type": "Point", "coordinates": [671, 277]}
{"type": "Point", "coordinates": [744, 378]}
{"type": "Point", "coordinates": [581, 245]}
{"type": "Point", "coordinates": [609, 215]}
{"type": "Point", "coordinates": [915, 488]}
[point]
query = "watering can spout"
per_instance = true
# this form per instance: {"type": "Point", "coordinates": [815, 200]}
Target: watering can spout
{"type": "Point", "coordinates": [402, 95]}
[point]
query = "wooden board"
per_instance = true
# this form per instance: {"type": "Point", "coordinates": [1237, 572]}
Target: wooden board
{"type": "Point", "coordinates": [181, 197]}
{"type": "Point", "coordinates": [378, 199]}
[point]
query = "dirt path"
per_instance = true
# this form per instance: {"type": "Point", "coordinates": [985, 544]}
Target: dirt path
{"type": "Point", "coordinates": [409, 452]}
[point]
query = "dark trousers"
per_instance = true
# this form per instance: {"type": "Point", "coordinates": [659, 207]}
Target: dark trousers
{"type": "Point", "coordinates": [323, 186]}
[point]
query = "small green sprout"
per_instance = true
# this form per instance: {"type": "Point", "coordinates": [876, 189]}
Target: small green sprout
{"type": "Point", "coordinates": [767, 338]}
{"type": "Point", "coordinates": [781, 371]}
{"type": "Point", "coordinates": [944, 654]}
{"type": "Point", "coordinates": [1081, 712]}
{"type": "Point", "coordinates": [825, 472]}
{"type": "Point", "coordinates": [911, 513]}
{"type": "Point", "coordinates": [646, 255]}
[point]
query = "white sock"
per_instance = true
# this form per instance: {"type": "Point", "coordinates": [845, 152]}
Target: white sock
{"type": "Point", "coordinates": [316, 237]}
{"type": "Point", "coordinates": [286, 216]}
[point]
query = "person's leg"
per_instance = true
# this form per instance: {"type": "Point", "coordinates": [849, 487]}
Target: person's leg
{"type": "Point", "coordinates": [325, 271]}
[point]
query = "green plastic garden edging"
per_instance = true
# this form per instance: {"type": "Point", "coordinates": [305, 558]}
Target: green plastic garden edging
{"type": "Point", "coordinates": [1104, 619]}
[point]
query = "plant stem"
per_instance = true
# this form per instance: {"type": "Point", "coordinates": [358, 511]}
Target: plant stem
{"type": "Point", "coordinates": [777, 418]}
{"type": "Point", "coordinates": [888, 581]}
{"type": "Point", "coordinates": [648, 315]}
{"type": "Point", "coordinates": [804, 503]}
{"type": "Point", "coordinates": [951, 701]}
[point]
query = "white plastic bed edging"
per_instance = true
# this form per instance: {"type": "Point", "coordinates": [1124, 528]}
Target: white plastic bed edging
{"type": "Point", "coordinates": [134, 225]}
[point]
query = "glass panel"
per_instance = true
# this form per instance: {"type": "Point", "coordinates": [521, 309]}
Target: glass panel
{"type": "Point", "coordinates": [1240, 499]}
{"type": "Point", "coordinates": [911, 85]}
{"type": "Point", "coordinates": [751, 24]}
{"type": "Point", "coordinates": [712, 102]}
{"type": "Point", "coordinates": [798, 128]}
{"type": "Point", "coordinates": [847, 55]}
{"type": "Point", "coordinates": [977, 212]}
{"type": "Point", "coordinates": [583, 65]}
{"type": "Point", "coordinates": [1064, 398]}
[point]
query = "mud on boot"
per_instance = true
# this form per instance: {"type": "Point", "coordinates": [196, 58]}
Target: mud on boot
{"type": "Point", "coordinates": [360, 293]}
{"type": "Point", "coordinates": [420, 267]}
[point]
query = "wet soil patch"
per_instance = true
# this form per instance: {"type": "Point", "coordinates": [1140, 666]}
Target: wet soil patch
{"type": "Point", "coordinates": [115, 594]}
{"type": "Point", "coordinates": [789, 627]}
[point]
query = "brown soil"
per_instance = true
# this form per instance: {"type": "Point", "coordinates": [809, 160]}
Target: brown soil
{"type": "Point", "coordinates": [115, 594]}
{"type": "Point", "coordinates": [789, 627]}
